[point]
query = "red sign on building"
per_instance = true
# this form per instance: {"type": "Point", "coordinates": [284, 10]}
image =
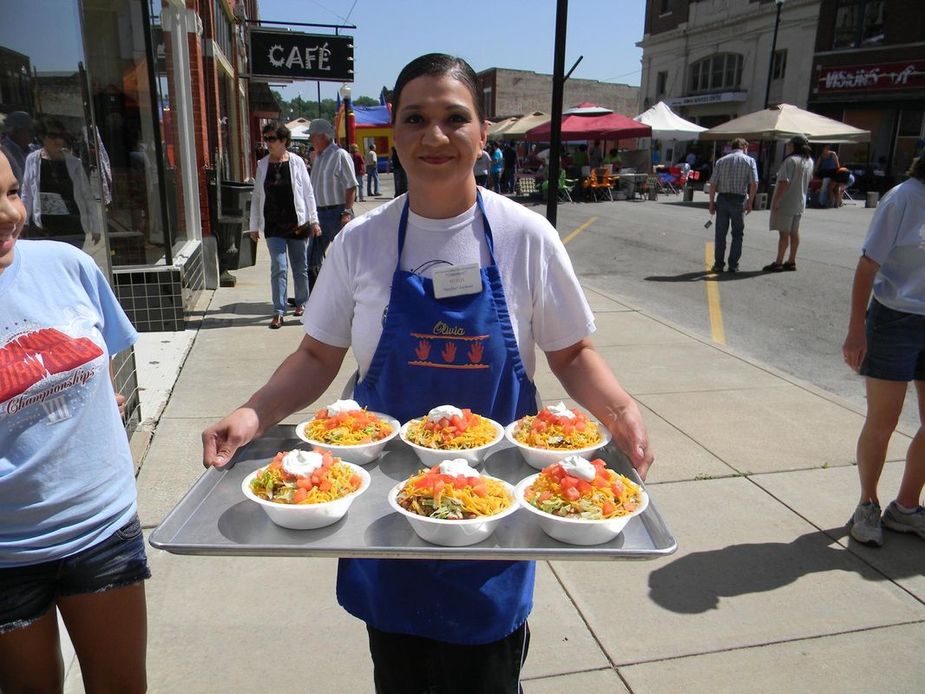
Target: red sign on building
{"type": "Point", "coordinates": [909, 74]}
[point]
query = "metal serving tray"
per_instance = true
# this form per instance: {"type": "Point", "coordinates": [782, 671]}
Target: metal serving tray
{"type": "Point", "coordinates": [215, 518]}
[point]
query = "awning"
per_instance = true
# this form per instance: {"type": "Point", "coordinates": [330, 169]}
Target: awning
{"type": "Point", "coordinates": [262, 101]}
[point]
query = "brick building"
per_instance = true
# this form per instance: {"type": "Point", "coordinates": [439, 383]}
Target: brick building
{"type": "Point", "coordinates": [869, 71]}
{"type": "Point", "coordinates": [516, 92]}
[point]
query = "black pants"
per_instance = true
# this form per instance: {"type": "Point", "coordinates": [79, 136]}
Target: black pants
{"type": "Point", "coordinates": [415, 665]}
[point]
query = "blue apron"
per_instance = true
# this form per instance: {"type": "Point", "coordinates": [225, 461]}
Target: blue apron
{"type": "Point", "coordinates": [461, 351]}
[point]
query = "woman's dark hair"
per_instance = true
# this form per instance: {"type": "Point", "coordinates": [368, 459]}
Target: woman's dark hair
{"type": "Point", "coordinates": [917, 168]}
{"type": "Point", "coordinates": [49, 124]}
{"type": "Point", "coordinates": [439, 65]}
{"type": "Point", "coordinates": [278, 129]}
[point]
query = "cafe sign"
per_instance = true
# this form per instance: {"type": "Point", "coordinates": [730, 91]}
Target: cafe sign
{"type": "Point", "coordinates": [288, 55]}
{"type": "Point", "coordinates": [880, 76]}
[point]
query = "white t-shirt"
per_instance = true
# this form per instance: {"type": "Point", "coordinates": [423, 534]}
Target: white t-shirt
{"type": "Point", "coordinates": [546, 304]}
{"type": "Point", "coordinates": [896, 240]}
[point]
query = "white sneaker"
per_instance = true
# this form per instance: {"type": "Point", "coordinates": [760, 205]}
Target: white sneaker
{"type": "Point", "coordinates": [865, 524]}
{"type": "Point", "coordinates": [913, 522]}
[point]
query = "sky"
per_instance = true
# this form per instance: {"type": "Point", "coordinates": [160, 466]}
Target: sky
{"type": "Point", "coordinates": [516, 34]}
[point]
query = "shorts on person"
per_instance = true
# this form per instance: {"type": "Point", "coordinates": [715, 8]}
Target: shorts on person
{"type": "Point", "coordinates": [781, 221]}
{"type": "Point", "coordinates": [28, 592]}
{"type": "Point", "coordinates": [895, 344]}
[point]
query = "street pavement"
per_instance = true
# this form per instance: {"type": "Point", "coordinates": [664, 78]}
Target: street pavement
{"type": "Point", "coordinates": [755, 478]}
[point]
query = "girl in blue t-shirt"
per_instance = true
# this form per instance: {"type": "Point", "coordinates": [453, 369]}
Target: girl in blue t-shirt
{"type": "Point", "coordinates": [70, 537]}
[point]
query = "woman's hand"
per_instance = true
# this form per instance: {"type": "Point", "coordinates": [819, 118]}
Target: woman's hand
{"type": "Point", "coordinates": [120, 403]}
{"type": "Point", "coordinates": [854, 348]}
{"type": "Point", "coordinates": [629, 433]}
{"type": "Point", "coordinates": [221, 440]}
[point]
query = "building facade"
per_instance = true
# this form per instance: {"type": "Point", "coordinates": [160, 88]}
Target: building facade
{"type": "Point", "coordinates": [869, 71]}
{"type": "Point", "coordinates": [150, 98]}
{"type": "Point", "coordinates": [516, 92]}
{"type": "Point", "coordinates": [711, 60]}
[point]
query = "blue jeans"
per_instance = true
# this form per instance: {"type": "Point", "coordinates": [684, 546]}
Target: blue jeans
{"type": "Point", "coordinates": [329, 221]}
{"type": "Point", "coordinates": [28, 592]}
{"type": "Point", "coordinates": [360, 187]}
{"type": "Point", "coordinates": [279, 269]}
{"type": "Point", "coordinates": [372, 177]}
{"type": "Point", "coordinates": [729, 209]}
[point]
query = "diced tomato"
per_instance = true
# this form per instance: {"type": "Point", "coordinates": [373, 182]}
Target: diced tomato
{"type": "Point", "coordinates": [304, 483]}
{"type": "Point", "coordinates": [438, 486]}
{"type": "Point", "coordinates": [584, 487]}
{"type": "Point", "coordinates": [568, 482]}
{"type": "Point", "coordinates": [608, 508]}
{"type": "Point", "coordinates": [572, 494]}
{"type": "Point", "coordinates": [324, 485]}
{"type": "Point", "coordinates": [544, 496]}
{"type": "Point", "coordinates": [299, 496]}
{"type": "Point", "coordinates": [355, 481]}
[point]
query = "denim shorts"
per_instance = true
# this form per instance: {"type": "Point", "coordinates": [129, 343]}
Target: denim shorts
{"type": "Point", "coordinates": [28, 592]}
{"type": "Point", "coordinates": [895, 344]}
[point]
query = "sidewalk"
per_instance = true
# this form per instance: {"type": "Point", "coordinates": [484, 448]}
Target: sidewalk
{"type": "Point", "coordinates": [754, 478]}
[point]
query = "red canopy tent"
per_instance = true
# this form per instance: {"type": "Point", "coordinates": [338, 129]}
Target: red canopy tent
{"type": "Point", "coordinates": [594, 124]}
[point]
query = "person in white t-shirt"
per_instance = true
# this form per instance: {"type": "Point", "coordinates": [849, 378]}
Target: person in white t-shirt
{"type": "Point", "coordinates": [443, 295]}
{"type": "Point", "coordinates": [889, 350]}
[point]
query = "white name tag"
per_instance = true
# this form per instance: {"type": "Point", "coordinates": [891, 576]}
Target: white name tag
{"type": "Point", "coordinates": [457, 280]}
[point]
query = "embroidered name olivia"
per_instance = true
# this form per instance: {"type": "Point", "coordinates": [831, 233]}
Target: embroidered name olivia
{"type": "Point", "coordinates": [441, 328]}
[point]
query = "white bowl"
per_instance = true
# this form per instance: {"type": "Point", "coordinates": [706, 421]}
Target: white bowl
{"type": "Point", "coordinates": [361, 453]}
{"type": "Point", "coordinates": [577, 531]}
{"type": "Point", "coordinates": [435, 456]}
{"type": "Point", "coordinates": [307, 516]}
{"type": "Point", "coordinates": [541, 457]}
{"type": "Point", "coordinates": [453, 533]}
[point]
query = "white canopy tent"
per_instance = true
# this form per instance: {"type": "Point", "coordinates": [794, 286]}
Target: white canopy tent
{"type": "Point", "coordinates": [668, 125]}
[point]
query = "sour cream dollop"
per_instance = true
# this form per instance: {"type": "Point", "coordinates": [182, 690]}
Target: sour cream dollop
{"type": "Point", "coordinates": [561, 410]}
{"type": "Point", "coordinates": [576, 466]}
{"type": "Point", "coordinates": [457, 466]}
{"type": "Point", "coordinates": [340, 406]}
{"type": "Point", "coordinates": [301, 463]}
{"type": "Point", "coordinates": [444, 412]}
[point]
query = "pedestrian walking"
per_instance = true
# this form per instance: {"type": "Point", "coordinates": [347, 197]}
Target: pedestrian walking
{"type": "Point", "coordinates": [467, 628]}
{"type": "Point", "coordinates": [359, 169]}
{"type": "Point", "coordinates": [372, 172]}
{"type": "Point", "coordinates": [283, 209]}
{"type": "Point", "coordinates": [888, 349]}
{"type": "Point", "coordinates": [335, 186]}
{"type": "Point", "coordinates": [789, 202]}
{"type": "Point", "coordinates": [732, 194]}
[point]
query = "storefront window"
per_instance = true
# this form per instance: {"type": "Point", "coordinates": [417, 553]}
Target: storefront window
{"type": "Point", "coordinates": [47, 125]}
{"type": "Point", "coordinates": [859, 23]}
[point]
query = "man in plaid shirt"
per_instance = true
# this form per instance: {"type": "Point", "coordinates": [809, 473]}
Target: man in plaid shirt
{"type": "Point", "coordinates": [732, 193]}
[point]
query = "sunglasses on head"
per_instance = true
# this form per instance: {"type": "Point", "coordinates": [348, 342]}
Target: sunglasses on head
{"type": "Point", "coordinates": [270, 138]}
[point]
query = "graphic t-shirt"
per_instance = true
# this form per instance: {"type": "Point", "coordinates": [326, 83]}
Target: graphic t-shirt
{"type": "Point", "coordinates": [66, 473]}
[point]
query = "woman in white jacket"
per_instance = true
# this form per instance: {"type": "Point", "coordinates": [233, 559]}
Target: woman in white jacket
{"type": "Point", "coordinates": [56, 191]}
{"type": "Point", "coordinates": [283, 209]}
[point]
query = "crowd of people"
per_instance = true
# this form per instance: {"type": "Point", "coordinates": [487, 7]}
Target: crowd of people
{"type": "Point", "coordinates": [70, 538]}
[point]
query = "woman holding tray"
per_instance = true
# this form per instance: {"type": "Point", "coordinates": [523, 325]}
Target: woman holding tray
{"type": "Point", "coordinates": [383, 291]}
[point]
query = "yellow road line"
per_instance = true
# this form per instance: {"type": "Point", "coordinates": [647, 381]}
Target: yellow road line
{"type": "Point", "coordinates": [716, 315]}
{"type": "Point", "coordinates": [579, 230]}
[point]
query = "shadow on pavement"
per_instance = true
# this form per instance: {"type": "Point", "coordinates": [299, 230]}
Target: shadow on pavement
{"type": "Point", "coordinates": [237, 314]}
{"type": "Point", "coordinates": [706, 276]}
{"type": "Point", "coordinates": [695, 583]}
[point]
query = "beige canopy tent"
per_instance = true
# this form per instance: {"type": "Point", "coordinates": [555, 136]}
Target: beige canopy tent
{"type": "Point", "coordinates": [782, 122]}
{"type": "Point", "coordinates": [496, 129]}
{"type": "Point", "coordinates": [518, 129]}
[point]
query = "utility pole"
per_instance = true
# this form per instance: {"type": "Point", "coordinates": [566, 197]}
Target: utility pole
{"type": "Point", "coordinates": [555, 130]}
